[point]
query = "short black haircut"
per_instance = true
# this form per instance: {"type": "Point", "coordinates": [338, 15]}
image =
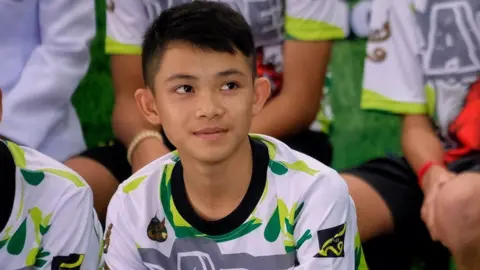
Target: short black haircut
{"type": "Point", "coordinates": [206, 25]}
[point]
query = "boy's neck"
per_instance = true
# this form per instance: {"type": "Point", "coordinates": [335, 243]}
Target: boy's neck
{"type": "Point", "coordinates": [216, 190]}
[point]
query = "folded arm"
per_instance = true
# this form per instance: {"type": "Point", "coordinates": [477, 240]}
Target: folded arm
{"type": "Point", "coordinates": [52, 72]}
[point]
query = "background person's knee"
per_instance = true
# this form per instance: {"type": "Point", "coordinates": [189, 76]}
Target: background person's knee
{"type": "Point", "coordinates": [458, 211]}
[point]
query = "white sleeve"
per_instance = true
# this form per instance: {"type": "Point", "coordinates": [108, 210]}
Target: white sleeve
{"type": "Point", "coordinates": [316, 20]}
{"type": "Point", "coordinates": [53, 71]}
{"type": "Point", "coordinates": [127, 21]}
{"type": "Point", "coordinates": [120, 249]}
{"type": "Point", "coordinates": [393, 76]}
{"type": "Point", "coordinates": [326, 228]}
{"type": "Point", "coordinates": [73, 240]}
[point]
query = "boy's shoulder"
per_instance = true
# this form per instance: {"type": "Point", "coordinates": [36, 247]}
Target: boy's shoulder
{"type": "Point", "coordinates": [148, 178]}
{"type": "Point", "coordinates": [296, 173]}
{"type": "Point", "coordinates": [35, 167]}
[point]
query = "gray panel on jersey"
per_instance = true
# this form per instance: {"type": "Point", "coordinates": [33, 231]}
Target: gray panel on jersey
{"type": "Point", "coordinates": [204, 254]}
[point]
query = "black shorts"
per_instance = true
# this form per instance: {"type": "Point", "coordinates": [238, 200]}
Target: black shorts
{"type": "Point", "coordinates": [396, 182]}
{"type": "Point", "coordinates": [114, 155]}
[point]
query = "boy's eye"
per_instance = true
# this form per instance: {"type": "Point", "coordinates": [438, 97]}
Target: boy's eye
{"type": "Point", "coordinates": [184, 89]}
{"type": "Point", "coordinates": [229, 86]}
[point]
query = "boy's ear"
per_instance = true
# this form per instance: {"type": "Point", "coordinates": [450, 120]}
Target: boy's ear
{"type": "Point", "coordinates": [262, 94]}
{"type": "Point", "coordinates": [146, 102]}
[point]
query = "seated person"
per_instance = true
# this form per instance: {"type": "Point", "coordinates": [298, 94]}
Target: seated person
{"type": "Point", "coordinates": [47, 218]}
{"type": "Point", "coordinates": [304, 47]}
{"type": "Point", "coordinates": [420, 63]}
{"type": "Point", "coordinates": [44, 56]}
{"type": "Point", "coordinates": [224, 199]}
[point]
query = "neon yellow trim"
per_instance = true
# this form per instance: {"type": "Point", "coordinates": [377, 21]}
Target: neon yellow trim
{"type": "Point", "coordinates": [300, 166]}
{"type": "Point", "coordinates": [32, 256]}
{"type": "Point", "coordinates": [178, 220]}
{"type": "Point", "coordinates": [20, 209]}
{"type": "Point", "coordinates": [374, 101]}
{"type": "Point", "coordinates": [306, 29]}
{"type": "Point", "coordinates": [18, 154]}
{"type": "Point", "coordinates": [272, 148]}
{"type": "Point", "coordinates": [430, 95]}
{"type": "Point", "coordinates": [324, 122]}
{"type": "Point", "coordinates": [412, 7]}
{"type": "Point", "coordinates": [75, 264]}
{"type": "Point", "coordinates": [114, 47]}
{"type": "Point", "coordinates": [264, 194]}
{"type": "Point", "coordinates": [132, 185]}
{"type": "Point", "coordinates": [67, 175]}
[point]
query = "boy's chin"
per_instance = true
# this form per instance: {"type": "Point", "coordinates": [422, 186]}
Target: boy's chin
{"type": "Point", "coordinates": [208, 154]}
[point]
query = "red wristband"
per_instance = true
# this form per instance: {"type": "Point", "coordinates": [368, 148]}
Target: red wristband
{"type": "Point", "coordinates": [424, 169]}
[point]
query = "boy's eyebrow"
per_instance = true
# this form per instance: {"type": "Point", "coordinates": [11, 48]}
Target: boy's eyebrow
{"type": "Point", "coordinates": [225, 73]}
{"type": "Point", "coordinates": [181, 76]}
{"type": "Point", "coordinates": [230, 71]}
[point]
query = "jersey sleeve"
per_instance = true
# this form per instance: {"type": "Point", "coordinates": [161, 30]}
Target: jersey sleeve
{"type": "Point", "coordinates": [326, 235]}
{"type": "Point", "coordinates": [393, 79]}
{"type": "Point", "coordinates": [73, 239]}
{"type": "Point", "coordinates": [120, 249]}
{"type": "Point", "coordinates": [313, 20]}
{"type": "Point", "coordinates": [127, 20]}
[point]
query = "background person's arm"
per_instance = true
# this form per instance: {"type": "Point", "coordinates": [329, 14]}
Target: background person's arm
{"type": "Point", "coordinates": [420, 143]}
{"type": "Point", "coordinates": [310, 26]}
{"type": "Point", "coordinates": [52, 73]}
{"type": "Point", "coordinates": [127, 121]}
{"type": "Point", "coordinates": [126, 23]}
{"type": "Point", "coordinates": [298, 102]}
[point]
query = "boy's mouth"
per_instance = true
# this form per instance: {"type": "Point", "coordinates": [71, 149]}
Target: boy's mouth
{"type": "Point", "coordinates": [211, 133]}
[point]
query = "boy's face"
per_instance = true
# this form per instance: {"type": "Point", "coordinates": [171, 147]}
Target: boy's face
{"type": "Point", "coordinates": [205, 100]}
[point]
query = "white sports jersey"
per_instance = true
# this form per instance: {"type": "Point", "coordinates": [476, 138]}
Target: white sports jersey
{"type": "Point", "coordinates": [52, 224]}
{"type": "Point", "coordinates": [296, 214]}
{"type": "Point", "coordinates": [422, 56]}
{"type": "Point", "coordinates": [272, 21]}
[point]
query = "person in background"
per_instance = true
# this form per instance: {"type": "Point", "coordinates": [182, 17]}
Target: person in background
{"type": "Point", "coordinates": [47, 218]}
{"type": "Point", "coordinates": [423, 59]}
{"type": "Point", "coordinates": [293, 42]}
{"type": "Point", "coordinates": [225, 199]}
{"type": "Point", "coordinates": [44, 55]}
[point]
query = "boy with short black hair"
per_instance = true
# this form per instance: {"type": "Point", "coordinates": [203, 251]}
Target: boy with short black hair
{"type": "Point", "coordinates": [224, 199]}
{"type": "Point", "coordinates": [47, 218]}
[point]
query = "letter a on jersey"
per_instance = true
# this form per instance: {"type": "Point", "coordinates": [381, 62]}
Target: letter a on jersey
{"type": "Point", "coordinates": [331, 242]}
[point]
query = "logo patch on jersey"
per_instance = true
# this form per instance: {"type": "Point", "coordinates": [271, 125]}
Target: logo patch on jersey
{"type": "Point", "coordinates": [379, 54]}
{"type": "Point", "coordinates": [156, 230]}
{"type": "Point", "coordinates": [331, 242]}
{"type": "Point", "coordinates": [73, 261]}
{"type": "Point", "coordinates": [106, 241]}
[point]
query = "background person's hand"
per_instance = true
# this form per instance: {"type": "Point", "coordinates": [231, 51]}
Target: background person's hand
{"type": "Point", "coordinates": [147, 151]}
{"type": "Point", "coordinates": [433, 181]}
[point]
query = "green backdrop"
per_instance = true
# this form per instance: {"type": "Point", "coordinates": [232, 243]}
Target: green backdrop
{"type": "Point", "coordinates": [356, 135]}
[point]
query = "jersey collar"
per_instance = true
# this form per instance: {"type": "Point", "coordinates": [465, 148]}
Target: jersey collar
{"type": "Point", "coordinates": [241, 213]}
